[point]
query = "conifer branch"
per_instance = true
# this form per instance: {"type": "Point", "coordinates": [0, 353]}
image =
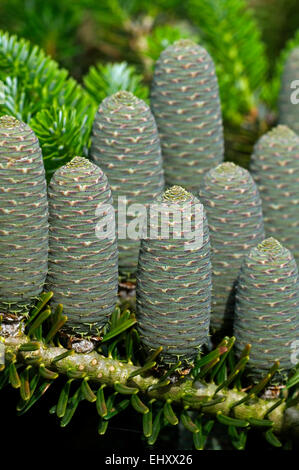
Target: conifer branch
{"type": "Point", "coordinates": [186, 393]}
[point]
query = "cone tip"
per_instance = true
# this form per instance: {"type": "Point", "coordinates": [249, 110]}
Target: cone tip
{"type": "Point", "coordinates": [227, 167]}
{"type": "Point", "coordinates": [9, 122]}
{"type": "Point", "coordinates": [185, 43]}
{"type": "Point", "coordinates": [282, 132]}
{"type": "Point", "coordinates": [79, 162]}
{"type": "Point", "coordinates": [270, 245]}
{"type": "Point", "coordinates": [176, 194]}
{"type": "Point", "coordinates": [124, 97]}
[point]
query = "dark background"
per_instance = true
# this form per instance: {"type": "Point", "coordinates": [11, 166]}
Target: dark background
{"type": "Point", "coordinates": [37, 429]}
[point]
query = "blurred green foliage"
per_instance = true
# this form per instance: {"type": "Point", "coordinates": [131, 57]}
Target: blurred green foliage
{"type": "Point", "coordinates": [230, 34]}
{"type": "Point", "coordinates": [52, 25]}
{"type": "Point", "coordinates": [163, 35]}
{"type": "Point", "coordinates": [39, 92]}
{"type": "Point", "coordinates": [80, 33]}
{"type": "Point", "coordinates": [278, 21]}
{"type": "Point", "coordinates": [104, 80]}
{"type": "Point", "coordinates": [113, 44]}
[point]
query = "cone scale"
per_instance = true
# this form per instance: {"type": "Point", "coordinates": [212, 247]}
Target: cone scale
{"type": "Point", "coordinates": [23, 217]}
{"type": "Point", "coordinates": [83, 271]}
{"type": "Point", "coordinates": [125, 144]}
{"type": "Point", "coordinates": [173, 291]}
{"type": "Point", "coordinates": [235, 219]}
{"type": "Point", "coordinates": [267, 308]}
{"type": "Point", "coordinates": [186, 105]}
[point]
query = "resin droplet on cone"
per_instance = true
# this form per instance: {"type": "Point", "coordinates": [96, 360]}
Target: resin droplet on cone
{"type": "Point", "coordinates": [125, 143]}
{"type": "Point", "coordinates": [83, 270]}
{"type": "Point", "coordinates": [23, 217]}
{"type": "Point", "coordinates": [235, 219]}
{"type": "Point", "coordinates": [267, 307]}
{"type": "Point", "coordinates": [275, 168]}
{"type": "Point", "coordinates": [174, 278]}
{"type": "Point", "coordinates": [288, 109]}
{"type": "Point", "coordinates": [186, 105]}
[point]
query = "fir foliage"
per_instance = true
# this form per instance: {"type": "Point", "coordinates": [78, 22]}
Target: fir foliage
{"type": "Point", "coordinates": [237, 50]}
{"type": "Point", "coordinates": [52, 25]}
{"type": "Point", "coordinates": [40, 93]}
{"type": "Point", "coordinates": [119, 377]}
{"type": "Point", "coordinates": [63, 131]}
{"type": "Point", "coordinates": [164, 35]}
{"type": "Point", "coordinates": [58, 109]}
{"type": "Point", "coordinates": [105, 80]}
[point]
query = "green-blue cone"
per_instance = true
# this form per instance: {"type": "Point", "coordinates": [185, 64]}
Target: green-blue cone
{"type": "Point", "coordinates": [235, 219]}
{"type": "Point", "coordinates": [125, 144]}
{"type": "Point", "coordinates": [174, 280]}
{"type": "Point", "coordinates": [186, 105]}
{"type": "Point", "coordinates": [275, 168]}
{"type": "Point", "coordinates": [267, 307]}
{"type": "Point", "coordinates": [83, 271]}
{"type": "Point", "coordinates": [23, 217]}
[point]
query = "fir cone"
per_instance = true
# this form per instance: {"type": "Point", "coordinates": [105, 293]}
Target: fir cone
{"type": "Point", "coordinates": [173, 291]}
{"type": "Point", "coordinates": [23, 217]}
{"type": "Point", "coordinates": [235, 219]}
{"type": "Point", "coordinates": [275, 168]}
{"type": "Point", "coordinates": [125, 143]}
{"type": "Point", "coordinates": [83, 271]}
{"type": "Point", "coordinates": [287, 110]}
{"type": "Point", "coordinates": [267, 307]}
{"type": "Point", "coordinates": [186, 105]}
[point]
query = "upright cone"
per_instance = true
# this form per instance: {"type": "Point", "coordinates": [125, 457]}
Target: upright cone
{"type": "Point", "coordinates": [275, 168]}
{"type": "Point", "coordinates": [288, 109]}
{"type": "Point", "coordinates": [267, 307]}
{"type": "Point", "coordinates": [83, 271]}
{"type": "Point", "coordinates": [235, 218]}
{"type": "Point", "coordinates": [186, 105]}
{"type": "Point", "coordinates": [125, 143]}
{"type": "Point", "coordinates": [174, 277]}
{"type": "Point", "coordinates": [23, 217]}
